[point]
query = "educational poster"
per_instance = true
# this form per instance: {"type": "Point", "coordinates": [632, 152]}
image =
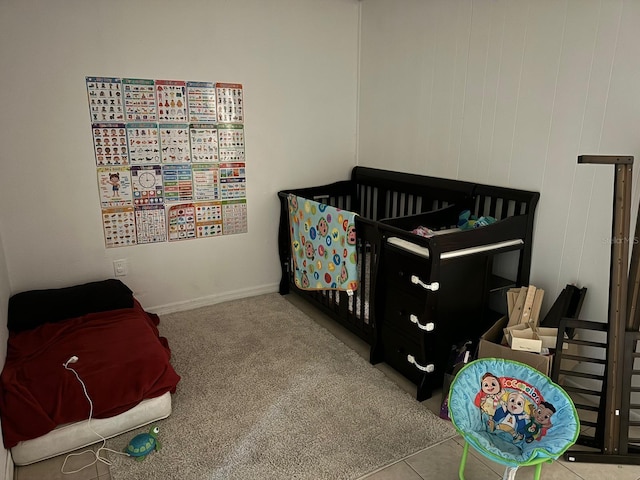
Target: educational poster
{"type": "Point", "coordinates": [110, 144]}
{"type": "Point", "coordinates": [147, 185]}
{"type": "Point", "coordinates": [232, 181]}
{"type": "Point", "coordinates": [231, 142]}
{"type": "Point", "coordinates": [119, 227]}
{"type": "Point", "coordinates": [139, 100]}
{"type": "Point", "coordinates": [230, 108]}
{"type": "Point", "coordinates": [170, 158]}
{"type": "Point", "coordinates": [115, 186]}
{"type": "Point", "coordinates": [234, 217]}
{"type": "Point", "coordinates": [182, 224]}
{"type": "Point", "coordinates": [174, 143]}
{"type": "Point", "coordinates": [105, 99]}
{"type": "Point", "coordinates": [171, 96]}
{"type": "Point", "coordinates": [204, 143]}
{"type": "Point", "coordinates": [177, 183]}
{"type": "Point", "coordinates": [208, 219]}
{"type": "Point", "coordinates": [144, 144]}
{"type": "Point", "coordinates": [150, 224]}
{"type": "Point", "coordinates": [201, 101]}
{"type": "Point", "coordinates": [205, 182]}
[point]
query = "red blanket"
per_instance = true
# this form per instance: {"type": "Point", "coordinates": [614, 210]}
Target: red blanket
{"type": "Point", "coordinates": [121, 359]}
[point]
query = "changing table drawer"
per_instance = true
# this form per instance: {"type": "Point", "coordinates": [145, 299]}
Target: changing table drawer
{"type": "Point", "coordinates": [406, 355]}
{"type": "Point", "coordinates": [409, 314]}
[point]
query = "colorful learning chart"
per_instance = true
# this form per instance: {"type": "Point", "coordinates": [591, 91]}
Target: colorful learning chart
{"type": "Point", "coordinates": [208, 219]}
{"type": "Point", "coordinates": [119, 227]}
{"type": "Point", "coordinates": [229, 103]}
{"type": "Point", "coordinates": [204, 143]}
{"type": "Point", "coordinates": [201, 101]}
{"type": "Point", "coordinates": [115, 186]}
{"type": "Point", "coordinates": [231, 142]}
{"type": "Point", "coordinates": [151, 226]}
{"type": "Point", "coordinates": [110, 144]}
{"type": "Point", "coordinates": [171, 100]}
{"type": "Point", "coordinates": [144, 147]}
{"type": "Point", "coordinates": [174, 143]}
{"type": "Point", "coordinates": [139, 100]}
{"type": "Point", "coordinates": [177, 182]}
{"type": "Point", "coordinates": [205, 182]}
{"type": "Point", "coordinates": [234, 217]}
{"type": "Point", "coordinates": [105, 99]}
{"type": "Point", "coordinates": [147, 185]}
{"type": "Point", "coordinates": [182, 222]}
{"type": "Point", "coordinates": [232, 181]}
{"type": "Point", "coordinates": [169, 157]}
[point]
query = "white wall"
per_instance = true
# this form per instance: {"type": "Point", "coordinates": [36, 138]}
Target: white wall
{"type": "Point", "coordinates": [297, 60]}
{"type": "Point", "coordinates": [510, 92]}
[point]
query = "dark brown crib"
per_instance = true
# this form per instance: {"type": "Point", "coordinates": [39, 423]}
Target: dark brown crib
{"type": "Point", "coordinates": [420, 296]}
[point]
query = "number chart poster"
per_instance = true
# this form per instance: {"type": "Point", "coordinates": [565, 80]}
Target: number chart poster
{"type": "Point", "coordinates": [169, 158]}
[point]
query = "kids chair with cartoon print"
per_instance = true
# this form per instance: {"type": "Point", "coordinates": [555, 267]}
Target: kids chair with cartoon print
{"type": "Point", "coordinates": [512, 414]}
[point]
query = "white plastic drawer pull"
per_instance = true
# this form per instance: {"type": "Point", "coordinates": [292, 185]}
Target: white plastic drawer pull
{"type": "Point", "coordinates": [429, 368]}
{"type": "Point", "coordinates": [427, 326]}
{"type": "Point", "coordinates": [429, 286]}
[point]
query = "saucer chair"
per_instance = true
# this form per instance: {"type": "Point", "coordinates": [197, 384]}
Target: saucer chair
{"type": "Point", "coordinates": [512, 414]}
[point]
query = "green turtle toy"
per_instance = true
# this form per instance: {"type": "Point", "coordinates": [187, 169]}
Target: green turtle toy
{"type": "Point", "coordinates": [143, 444]}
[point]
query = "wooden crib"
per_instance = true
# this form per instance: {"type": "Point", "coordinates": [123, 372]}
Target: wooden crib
{"type": "Point", "coordinates": [419, 296]}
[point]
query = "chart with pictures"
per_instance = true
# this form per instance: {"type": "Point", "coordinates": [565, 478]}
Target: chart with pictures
{"type": "Point", "coordinates": [169, 157]}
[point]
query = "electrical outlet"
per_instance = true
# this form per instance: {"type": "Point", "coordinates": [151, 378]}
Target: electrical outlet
{"type": "Point", "coordinates": [120, 268]}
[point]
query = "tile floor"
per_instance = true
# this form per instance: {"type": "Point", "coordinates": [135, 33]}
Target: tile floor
{"type": "Point", "coordinates": [438, 462]}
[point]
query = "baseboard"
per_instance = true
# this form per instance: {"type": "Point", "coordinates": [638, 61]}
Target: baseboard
{"type": "Point", "coordinates": [213, 299]}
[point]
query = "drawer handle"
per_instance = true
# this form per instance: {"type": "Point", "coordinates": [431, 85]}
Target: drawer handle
{"type": "Point", "coordinates": [429, 368]}
{"type": "Point", "coordinates": [427, 326]}
{"type": "Point", "coordinates": [428, 286]}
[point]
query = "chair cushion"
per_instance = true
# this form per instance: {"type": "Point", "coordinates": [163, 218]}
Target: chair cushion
{"type": "Point", "coordinates": [512, 413]}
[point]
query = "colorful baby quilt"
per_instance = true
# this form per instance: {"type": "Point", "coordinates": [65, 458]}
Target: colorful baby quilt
{"type": "Point", "coordinates": [511, 412]}
{"type": "Point", "coordinates": [323, 242]}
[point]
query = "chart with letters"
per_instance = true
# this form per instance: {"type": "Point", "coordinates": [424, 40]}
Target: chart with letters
{"type": "Point", "coordinates": [169, 157]}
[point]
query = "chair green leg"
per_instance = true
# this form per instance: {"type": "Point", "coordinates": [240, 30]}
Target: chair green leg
{"type": "Point", "coordinates": [463, 460]}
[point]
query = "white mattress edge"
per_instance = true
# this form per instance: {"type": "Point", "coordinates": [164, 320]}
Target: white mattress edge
{"type": "Point", "coordinates": [424, 251]}
{"type": "Point", "coordinates": [72, 436]}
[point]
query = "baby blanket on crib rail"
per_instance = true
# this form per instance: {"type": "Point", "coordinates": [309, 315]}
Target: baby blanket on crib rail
{"type": "Point", "coordinates": [323, 243]}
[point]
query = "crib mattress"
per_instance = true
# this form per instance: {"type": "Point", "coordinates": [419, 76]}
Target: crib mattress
{"type": "Point", "coordinates": [72, 436]}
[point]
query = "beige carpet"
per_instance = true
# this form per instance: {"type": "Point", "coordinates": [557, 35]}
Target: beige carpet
{"type": "Point", "coordinates": [267, 393]}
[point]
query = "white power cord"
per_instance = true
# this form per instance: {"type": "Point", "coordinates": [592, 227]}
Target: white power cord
{"type": "Point", "coordinates": [97, 452]}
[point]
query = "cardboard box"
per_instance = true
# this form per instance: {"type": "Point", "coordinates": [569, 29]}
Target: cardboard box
{"type": "Point", "coordinates": [490, 347]}
{"type": "Point", "coordinates": [526, 340]}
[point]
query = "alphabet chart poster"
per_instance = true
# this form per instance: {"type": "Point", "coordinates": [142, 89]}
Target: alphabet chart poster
{"type": "Point", "coordinates": [150, 224]}
{"type": "Point", "coordinates": [231, 142]}
{"type": "Point", "coordinates": [105, 99]}
{"type": "Point", "coordinates": [201, 101]}
{"type": "Point", "coordinates": [119, 227]}
{"type": "Point", "coordinates": [139, 100]}
{"type": "Point", "coordinates": [182, 223]}
{"type": "Point", "coordinates": [169, 158]}
{"type": "Point", "coordinates": [208, 219]}
{"type": "Point", "coordinates": [234, 217]}
{"type": "Point", "coordinates": [115, 186]}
